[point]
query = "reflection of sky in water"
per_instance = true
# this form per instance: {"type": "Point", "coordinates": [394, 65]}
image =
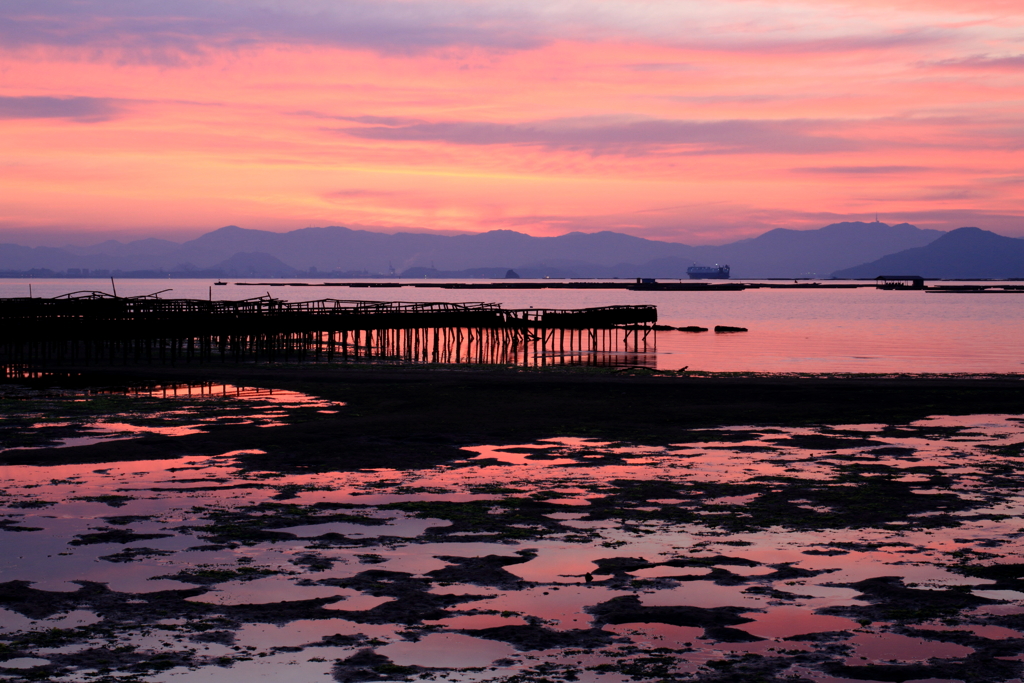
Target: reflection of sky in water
{"type": "Point", "coordinates": [208, 404]}
{"type": "Point", "coordinates": [791, 330]}
{"type": "Point", "coordinates": [892, 647]}
{"type": "Point", "coordinates": [446, 650]}
{"type": "Point", "coordinates": [783, 583]}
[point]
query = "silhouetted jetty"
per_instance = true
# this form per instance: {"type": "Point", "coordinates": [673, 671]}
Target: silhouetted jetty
{"type": "Point", "coordinates": [94, 327]}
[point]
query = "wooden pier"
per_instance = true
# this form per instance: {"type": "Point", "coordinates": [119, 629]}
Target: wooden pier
{"type": "Point", "coordinates": [93, 327]}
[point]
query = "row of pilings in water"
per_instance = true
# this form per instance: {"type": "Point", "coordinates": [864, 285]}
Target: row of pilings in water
{"type": "Point", "coordinates": [95, 328]}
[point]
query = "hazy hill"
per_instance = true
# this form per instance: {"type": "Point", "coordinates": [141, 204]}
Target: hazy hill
{"type": "Point", "coordinates": [247, 264]}
{"type": "Point", "coordinates": [961, 253]}
{"type": "Point", "coordinates": [147, 247]}
{"type": "Point", "coordinates": [817, 253]}
{"type": "Point", "coordinates": [777, 253]}
{"type": "Point", "coordinates": [338, 248]}
{"type": "Point", "coordinates": [231, 250]}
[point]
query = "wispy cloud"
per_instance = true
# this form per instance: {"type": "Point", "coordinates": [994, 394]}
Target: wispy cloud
{"type": "Point", "coordinates": [1006, 62]}
{"type": "Point", "coordinates": [862, 170]}
{"type": "Point", "coordinates": [155, 31]}
{"type": "Point", "coordinates": [373, 120]}
{"type": "Point", "coordinates": [343, 195]}
{"type": "Point", "coordinates": [194, 26]}
{"type": "Point", "coordinates": [624, 136]}
{"type": "Point", "coordinates": [86, 109]}
{"type": "Point", "coordinates": [662, 66]}
{"type": "Point", "coordinates": [544, 115]}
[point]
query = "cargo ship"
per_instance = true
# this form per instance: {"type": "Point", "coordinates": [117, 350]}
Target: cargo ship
{"type": "Point", "coordinates": [708, 272]}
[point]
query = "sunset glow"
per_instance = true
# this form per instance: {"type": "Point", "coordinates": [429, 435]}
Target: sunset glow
{"type": "Point", "coordinates": [686, 121]}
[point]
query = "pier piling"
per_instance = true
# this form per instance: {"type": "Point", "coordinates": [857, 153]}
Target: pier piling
{"type": "Point", "coordinates": [93, 327]}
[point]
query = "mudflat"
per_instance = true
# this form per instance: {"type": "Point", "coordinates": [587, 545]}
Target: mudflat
{"type": "Point", "coordinates": [401, 417]}
{"type": "Point", "coordinates": [514, 526]}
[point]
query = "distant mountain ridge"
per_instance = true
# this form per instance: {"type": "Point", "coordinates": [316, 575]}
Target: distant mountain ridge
{"type": "Point", "coordinates": [963, 253]}
{"type": "Point", "coordinates": [235, 251]}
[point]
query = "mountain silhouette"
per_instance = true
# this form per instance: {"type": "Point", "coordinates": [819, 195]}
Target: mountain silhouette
{"type": "Point", "coordinates": [339, 250]}
{"type": "Point", "coordinates": [254, 263]}
{"type": "Point", "coordinates": [963, 253]}
{"type": "Point", "coordinates": [817, 253]}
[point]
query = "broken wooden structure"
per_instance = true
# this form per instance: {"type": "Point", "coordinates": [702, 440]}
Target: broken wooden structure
{"type": "Point", "coordinates": [93, 327]}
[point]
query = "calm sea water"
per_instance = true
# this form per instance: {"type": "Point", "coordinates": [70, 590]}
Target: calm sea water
{"type": "Point", "coordinates": [790, 330]}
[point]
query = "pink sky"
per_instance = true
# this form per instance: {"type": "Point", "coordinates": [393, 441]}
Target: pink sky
{"type": "Point", "coordinates": [684, 120]}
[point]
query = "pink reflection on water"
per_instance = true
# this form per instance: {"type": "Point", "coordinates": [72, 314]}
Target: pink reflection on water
{"type": "Point", "coordinates": [783, 622]}
{"type": "Point", "coordinates": [503, 455]}
{"type": "Point", "coordinates": [892, 647]}
{"type": "Point", "coordinates": [116, 427]}
{"type": "Point", "coordinates": [850, 330]}
{"type": "Point", "coordinates": [561, 607]}
{"type": "Point", "coordinates": [454, 650]}
{"type": "Point", "coordinates": [997, 610]}
{"type": "Point", "coordinates": [662, 571]}
{"type": "Point", "coordinates": [354, 601]}
{"type": "Point", "coordinates": [564, 564]}
{"type": "Point", "coordinates": [210, 390]}
{"type": "Point", "coordinates": [401, 527]}
{"type": "Point", "coordinates": [659, 635]}
{"type": "Point", "coordinates": [304, 631]}
{"type": "Point", "coordinates": [12, 621]}
{"type": "Point", "coordinates": [703, 594]}
{"type": "Point", "coordinates": [477, 621]}
{"type": "Point", "coordinates": [990, 631]}
{"type": "Point", "coordinates": [177, 492]}
{"type": "Point", "coordinates": [261, 591]}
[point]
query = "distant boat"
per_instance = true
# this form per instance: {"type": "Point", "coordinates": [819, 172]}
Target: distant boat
{"type": "Point", "coordinates": [708, 272]}
{"type": "Point", "coordinates": [218, 282]}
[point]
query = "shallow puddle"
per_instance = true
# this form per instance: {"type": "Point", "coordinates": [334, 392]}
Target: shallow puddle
{"type": "Point", "coordinates": [831, 554]}
{"type": "Point", "coordinates": [55, 418]}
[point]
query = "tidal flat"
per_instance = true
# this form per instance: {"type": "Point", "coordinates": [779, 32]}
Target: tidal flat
{"type": "Point", "coordinates": [374, 524]}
